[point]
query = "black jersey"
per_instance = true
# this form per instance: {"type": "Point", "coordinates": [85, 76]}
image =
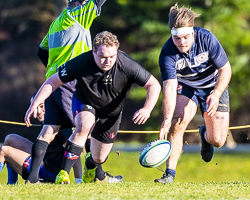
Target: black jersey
{"type": "Point", "coordinates": [106, 91]}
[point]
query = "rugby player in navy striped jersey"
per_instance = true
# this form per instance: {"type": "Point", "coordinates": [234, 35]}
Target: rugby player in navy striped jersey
{"type": "Point", "coordinates": [195, 71]}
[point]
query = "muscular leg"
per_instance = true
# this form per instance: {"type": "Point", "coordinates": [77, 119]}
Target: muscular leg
{"type": "Point", "coordinates": [39, 148]}
{"type": "Point", "coordinates": [99, 154]}
{"type": "Point", "coordinates": [99, 150]}
{"type": "Point", "coordinates": [217, 128]}
{"type": "Point", "coordinates": [17, 142]}
{"type": "Point", "coordinates": [14, 157]}
{"type": "Point", "coordinates": [84, 123]}
{"type": "Point", "coordinates": [184, 113]}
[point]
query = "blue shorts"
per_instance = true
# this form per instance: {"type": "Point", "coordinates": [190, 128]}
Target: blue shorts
{"type": "Point", "coordinates": [59, 106]}
{"type": "Point", "coordinates": [106, 128]}
{"type": "Point", "coordinates": [44, 174]}
{"type": "Point", "coordinates": [199, 96]}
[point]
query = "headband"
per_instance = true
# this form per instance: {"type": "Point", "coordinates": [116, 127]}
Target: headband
{"type": "Point", "coordinates": [181, 31]}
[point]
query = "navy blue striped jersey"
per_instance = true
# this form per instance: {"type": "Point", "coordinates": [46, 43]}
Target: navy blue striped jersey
{"type": "Point", "coordinates": [198, 68]}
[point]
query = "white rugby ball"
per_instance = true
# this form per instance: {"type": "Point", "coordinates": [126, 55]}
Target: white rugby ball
{"type": "Point", "coordinates": [155, 153]}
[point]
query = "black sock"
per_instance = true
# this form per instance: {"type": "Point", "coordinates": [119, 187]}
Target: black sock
{"type": "Point", "coordinates": [39, 148]}
{"type": "Point", "coordinates": [87, 145]}
{"type": "Point", "coordinates": [99, 173]}
{"type": "Point", "coordinates": [72, 153]}
{"type": "Point", "coordinates": [90, 163]}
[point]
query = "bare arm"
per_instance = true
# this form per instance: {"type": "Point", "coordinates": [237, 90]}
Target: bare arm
{"type": "Point", "coordinates": [222, 82]}
{"type": "Point", "coordinates": [153, 91]}
{"type": "Point", "coordinates": [48, 87]}
{"type": "Point", "coordinates": [168, 104]}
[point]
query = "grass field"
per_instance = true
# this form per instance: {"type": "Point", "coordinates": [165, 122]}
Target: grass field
{"type": "Point", "coordinates": [225, 177]}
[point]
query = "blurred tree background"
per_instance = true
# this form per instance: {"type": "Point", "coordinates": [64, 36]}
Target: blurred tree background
{"type": "Point", "coordinates": [141, 27]}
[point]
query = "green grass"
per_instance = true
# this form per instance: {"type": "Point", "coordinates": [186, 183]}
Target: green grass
{"type": "Point", "coordinates": [225, 177]}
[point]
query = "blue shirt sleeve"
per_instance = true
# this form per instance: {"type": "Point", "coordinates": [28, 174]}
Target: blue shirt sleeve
{"type": "Point", "coordinates": [167, 62]}
{"type": "Point", "coordinates": [216, 52]}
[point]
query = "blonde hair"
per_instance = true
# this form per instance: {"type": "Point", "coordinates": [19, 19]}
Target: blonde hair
{"type": "Point", "coordinates": [105, 38]}
{"type": "Point", "coordinates": [181, 17]}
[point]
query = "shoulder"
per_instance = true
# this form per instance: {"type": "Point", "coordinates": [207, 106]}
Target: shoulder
{"type": "Point", "coordinates": [202, 34]}
{"type": "Point", "coordinates": [127, 64]}
{"type": "Point", "coordinates": [124, 59]}
{"type": "Point", "coordinates": [169, 47]}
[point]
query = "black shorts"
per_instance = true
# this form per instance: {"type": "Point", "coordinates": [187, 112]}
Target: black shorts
{"type": "Point", "coordinates": [106, 128]}
{"type": "Point", "coordinates": [58, 107]}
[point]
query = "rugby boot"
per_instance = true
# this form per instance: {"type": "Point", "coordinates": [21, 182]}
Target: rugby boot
{"type": "Point", "coordinates": [62, 178]}
{"type": "Point", "coordinates": [166, 178]}
{"type": "Point", "coordinates": [207, 150]}
{"type": "Point", "coordinates": [27, 182]}
{"type": "Point", "coordinates": [88, 174]}
{"type": "Point", "coordinates": [110, 179]}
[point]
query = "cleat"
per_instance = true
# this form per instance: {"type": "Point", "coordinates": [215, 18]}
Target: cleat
{"type": "Point", "coordinates": [166, 178]}
{"type": "Point", "coordinates": [88, 174]}
{"type": "Point", "coordinates": [62, 178]}
{"type": "Point", "coordinates": [207, 150]}
{"type": "Point", "coordinates": [27, 182]}
{"type": "Point", "coordinates": [110, 179]}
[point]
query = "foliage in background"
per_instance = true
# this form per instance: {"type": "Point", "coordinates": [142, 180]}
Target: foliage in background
{"type": "Point", "coordinates": [141, 27]}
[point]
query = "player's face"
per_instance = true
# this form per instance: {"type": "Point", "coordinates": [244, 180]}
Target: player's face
{"type": "Point", "coordinates": [183, 42]}
{"type": "Point", "coordinates": [105, 56]}
{"type": "Point", "coordinates": [40, 112]}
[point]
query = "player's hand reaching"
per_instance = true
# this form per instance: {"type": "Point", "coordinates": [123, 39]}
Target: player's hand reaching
{"type": "Point", "coordinates": [165, 126]}
{"type": "Point", "coordinates": [141, 116]}
{"type": "Point", "coordinates": [32, 111]}
{"type": "Point", "coordinates": [212, 102]}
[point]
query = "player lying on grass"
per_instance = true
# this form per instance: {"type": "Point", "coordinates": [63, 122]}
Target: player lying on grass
{"type": "Point", "coordinates": [104, 76]}
{"type": "Point", "coordinates": [16, 153]}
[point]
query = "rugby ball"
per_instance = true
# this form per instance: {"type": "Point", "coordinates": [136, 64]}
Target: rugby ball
{"type": "Point", "coordinates": [155, 153]}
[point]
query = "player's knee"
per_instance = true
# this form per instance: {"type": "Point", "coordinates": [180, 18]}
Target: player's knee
{"type": "Point", "coordinates": [9, 139]}
{"type": "Point", "coordinates": [100, 160]}
{"type": "Point", "coordinates": [218, 141]}
{"type": "Point", "coordinates": [4, 150]}
{"type": "Point", "coordinates": [82, 130]}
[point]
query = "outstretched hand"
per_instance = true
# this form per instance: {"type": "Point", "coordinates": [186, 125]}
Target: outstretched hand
{"type": "Point", "coordinates": [141, 116]}
{"type": "Point", "coordinates": [166, 124]}
{"type": "Point", "coordinates": [32, 111]}
{"type": "Point", "coordinates": [212, 102]}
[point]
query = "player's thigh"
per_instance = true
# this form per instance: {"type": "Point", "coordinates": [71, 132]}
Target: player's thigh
{"type": "Point", "coordinates": [15, 158]}
{"type": "Point", "coordinates": [217, 127]}
{"type": "Point", "coordinates": [100, 150]}
{"type": "Point", "coordinates": [85, 121]}
{"type": "Point", "coordinates": [185, 110]}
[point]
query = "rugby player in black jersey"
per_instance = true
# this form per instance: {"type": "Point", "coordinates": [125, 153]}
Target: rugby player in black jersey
{"type": "Point", "coordinates": [104, 76]}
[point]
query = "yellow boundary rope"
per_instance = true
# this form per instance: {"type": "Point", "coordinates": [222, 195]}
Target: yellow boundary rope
{"type": "Point", "coordinates": [122, 131]}
{"type": "Point", "coordinates": [18, 123]}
